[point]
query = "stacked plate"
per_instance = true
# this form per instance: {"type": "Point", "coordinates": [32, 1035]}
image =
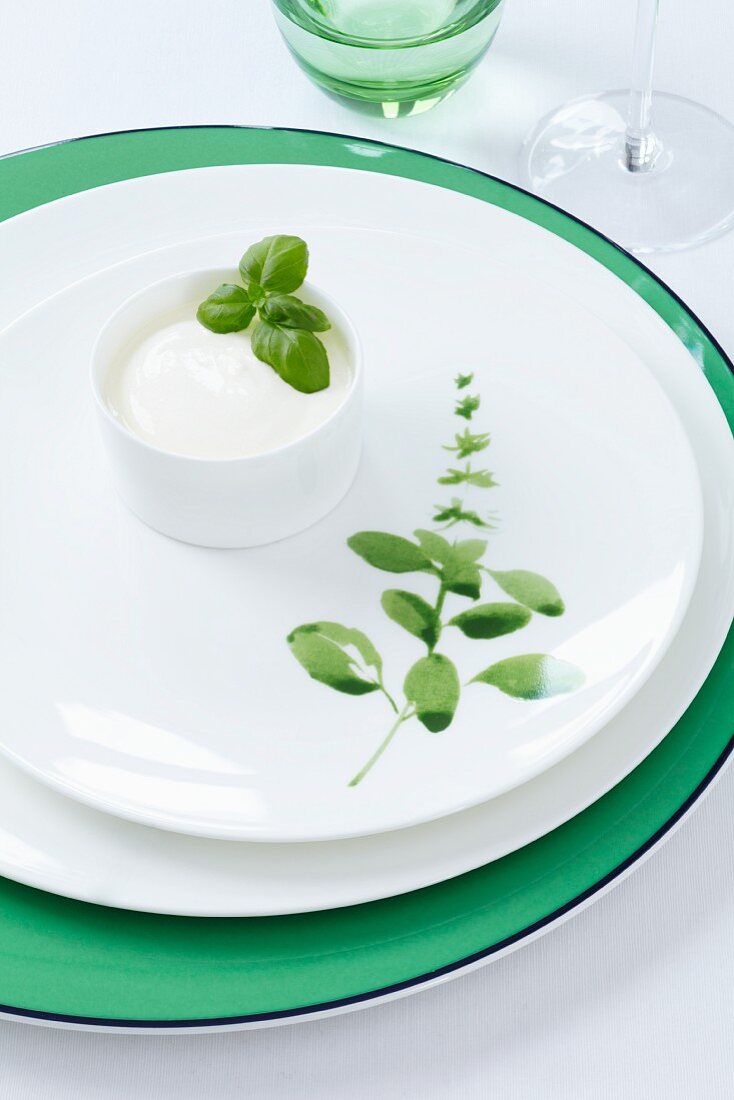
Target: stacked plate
{"type": "Point", "coordinates": [168, 761]}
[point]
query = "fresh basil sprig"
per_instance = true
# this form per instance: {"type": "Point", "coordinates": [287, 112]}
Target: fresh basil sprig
{"type": "Point", "coordinates": [284, 336]}
{"type": "Point", "coordinates": [227, 309]}
{"type": "Point", "coordinates": [291, 312]}
{"type": "Point", "coordinates": [298, 356]}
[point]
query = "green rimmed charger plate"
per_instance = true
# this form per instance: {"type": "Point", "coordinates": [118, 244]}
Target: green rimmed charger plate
{"type": "Point", "coordinates": [67, 961]}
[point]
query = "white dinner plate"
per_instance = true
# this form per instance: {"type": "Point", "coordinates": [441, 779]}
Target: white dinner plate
{"type": "Point", "coordinates": [162, 682]}
{"type": "Point", "coordinates": [57, 844]}
{"type": "Point", "coordinates": [50, 842]}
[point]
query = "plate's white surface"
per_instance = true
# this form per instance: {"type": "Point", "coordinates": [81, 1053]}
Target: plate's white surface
{"type": "Point", "coordinates": [51, 842]}
{"type": "Point", "coordinates": [153, 679]}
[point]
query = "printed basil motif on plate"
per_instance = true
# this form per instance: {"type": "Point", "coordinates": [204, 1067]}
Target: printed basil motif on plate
{"type": "Point", "coordinates": [435, 546]}
{"type": "Point", "coordinates": [491, 620]}
{"type": "Point", "coordinates": [460, 573]}
{"type": "Point", "coordinates": [532, 676]}
{"type": "Point", "coordinates": [324, 651]}
{"type": "Point", "coordinates": [432, 685]}
{"type": "Point", "coordinates": [455, 512]}
{"type": "Point", "coordinates": [468, 443]}
{"type": "Point", "coordinates": [467, 406]}
{"type": "Point", "coordinates": [480, 479]}
{"type": "Point", "coordinates": [392, 553]}
{"type": "Point", "coordinates": [530, 589]}
{"type": "Point", "coordinates": [463, 578]}
{"type": "Point", "coordinates": [469, 550]}
{"type": "Point", "coordinates": [413, 613]}
{"type": "Point", "coordinates": [449, 567]}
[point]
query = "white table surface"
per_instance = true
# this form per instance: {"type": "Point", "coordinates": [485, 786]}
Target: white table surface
{"type": "Point", "coordinates": [635, 996]}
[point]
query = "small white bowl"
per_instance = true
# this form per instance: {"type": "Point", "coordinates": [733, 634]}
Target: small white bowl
{"type": "Point", "coordinates": [226, 502]}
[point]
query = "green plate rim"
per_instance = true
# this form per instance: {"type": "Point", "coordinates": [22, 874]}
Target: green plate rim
{"type": "Point", "coordinates": [55, 953]}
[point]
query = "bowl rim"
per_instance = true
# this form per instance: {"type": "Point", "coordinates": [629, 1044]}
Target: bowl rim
{"type": "Point", "coordinates": [343, 323]}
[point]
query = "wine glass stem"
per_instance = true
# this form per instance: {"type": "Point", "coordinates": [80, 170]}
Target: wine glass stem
{"type": "Point", "coordinates": [640, 144]}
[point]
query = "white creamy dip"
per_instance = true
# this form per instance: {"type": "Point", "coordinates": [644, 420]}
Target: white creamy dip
{"type": "Point", "coordinates": [194, 392]}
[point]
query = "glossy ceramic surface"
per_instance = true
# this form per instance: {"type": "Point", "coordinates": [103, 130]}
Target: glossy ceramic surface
{"type": "Point", "coordinates": [89, 966]}
{"type": "Point", "coordinates": [57, 844]}
{"type": "Point", "coordinates": [176, 699]}
{"type": "Point", "coordinates": [50, 842]}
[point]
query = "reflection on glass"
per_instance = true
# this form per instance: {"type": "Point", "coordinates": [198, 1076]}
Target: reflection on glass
{"type": "Point", "coordinates": [655, 172]}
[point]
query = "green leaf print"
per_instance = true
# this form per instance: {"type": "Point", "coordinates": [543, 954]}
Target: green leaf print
{"type": "Point", "coordinates": [463, 578]}
{"type": "Point", "coordinates": [468, 443]}
{"type": "Point", "coordinates": [470, 549]}
{"type": "Point", "coordinates": [413, 614]}
{"type": "Point", "coordinates": [435, 546]}
{"type": "Point", "coordinates": [467, 406]}
{"type": "Point", "coordinates": [456, 513]}
{"type": "Point", "coordinates": [480, 479]}
{"type": "Point", "coordinates": [532, 676]}
{"type": "Point", "coordinates": [530, 589]}
{"type": "Point", "coordinates": [322, 649]}
{"type": "Point", "coordinates": [491, 620]}
{"type": "Point", "coordinates": [346, 659]}
{"type": "Point", "coordinates": [392, 553]}
{"type": "Point", "coordinates": [432, 685]}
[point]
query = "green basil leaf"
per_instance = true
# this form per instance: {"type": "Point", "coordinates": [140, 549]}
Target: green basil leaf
{"type": "Point", "coordinates": [392, 553]}
{"type": "Point", "coordinates": [532, 590]}
{"type": "Point", "coordinates": [436, 546]}
{"type": "Point", "coordinates": [227, 309]}
{"type": "Point", "coordinates": [322, 649]}
{"type": "Point", "coordinates": [413, 614]}
{"type": "Point", "coordinates": [532, 676]}
{"type": "Point", "coordinates": [298, 357]}
{"type": "Point", "coordinates": [278, 264]}
{"type": "Point", "coordinates": [432, 685]}
{"type": "Point", "coordinates": [491, 620]}
{"type": "Point", "coordinates": [291, 312]}
{"type": "Point", "coordinates": [256, 294]}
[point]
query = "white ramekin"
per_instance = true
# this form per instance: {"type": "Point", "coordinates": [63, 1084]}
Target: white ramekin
{"type": "Point", "coordinates": [226, 502]}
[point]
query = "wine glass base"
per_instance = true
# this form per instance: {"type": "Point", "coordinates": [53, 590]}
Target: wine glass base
{"type": "Point", "coordinates": [575, 158]}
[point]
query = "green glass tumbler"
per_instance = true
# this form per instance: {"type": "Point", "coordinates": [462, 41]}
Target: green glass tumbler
{"type": "Point", "coordinates": [391, 57]}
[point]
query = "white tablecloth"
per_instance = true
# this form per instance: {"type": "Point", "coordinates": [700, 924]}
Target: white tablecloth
{"type": "Point", "coordinates": [635, 996]}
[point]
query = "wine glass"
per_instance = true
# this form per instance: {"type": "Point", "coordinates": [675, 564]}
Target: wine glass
{"type": "Point", "coordinates": [653, 171]}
